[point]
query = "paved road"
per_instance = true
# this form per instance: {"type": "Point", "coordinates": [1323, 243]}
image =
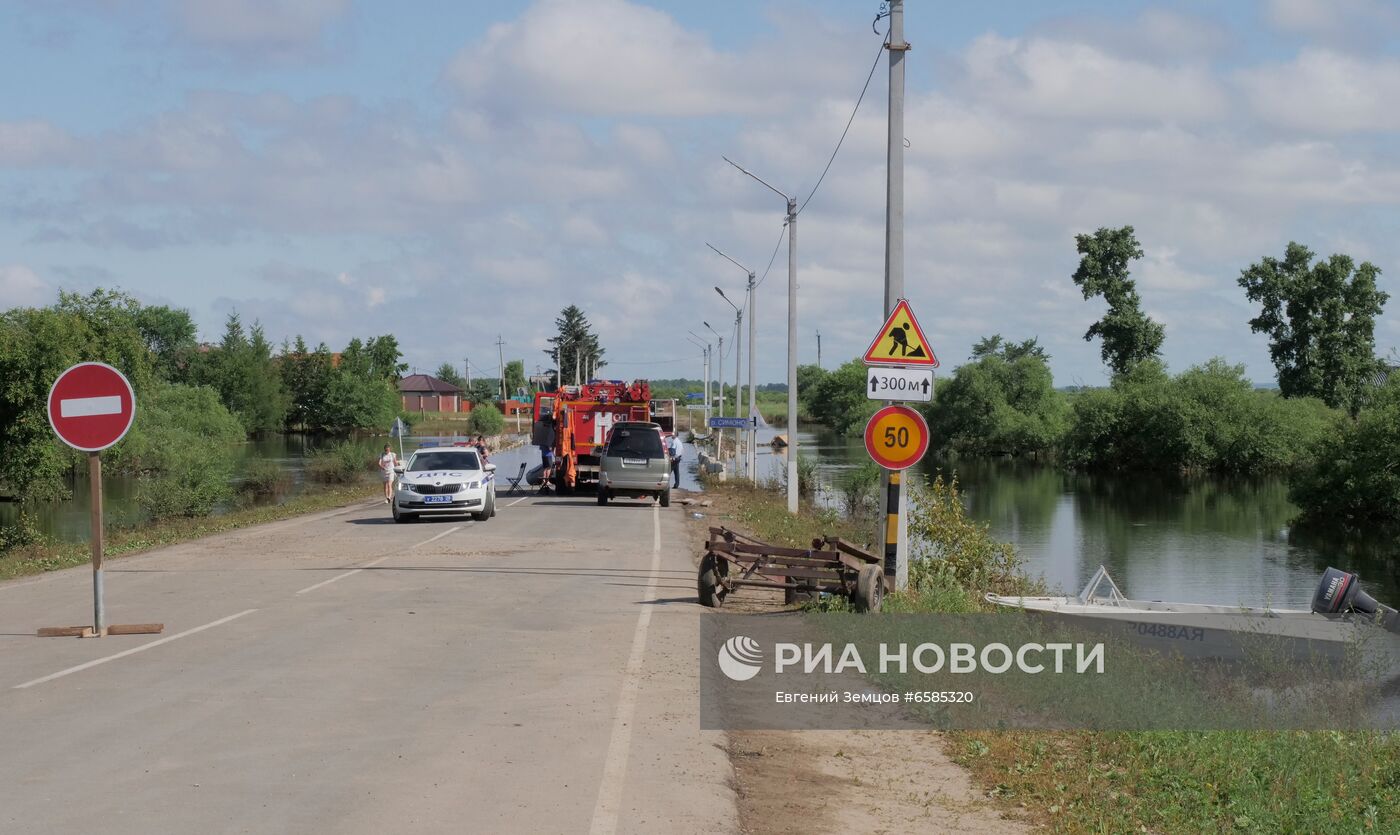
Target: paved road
{"type": "Point", "coordinates": [340, 673]}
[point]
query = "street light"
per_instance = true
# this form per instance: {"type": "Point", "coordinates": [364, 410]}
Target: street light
{"type": "Point", "coordinates": [791, 336]}
{"type": "Point", "coordinates": [704, 347]}
{"type": "Point", "coordinates": [738, 353]}
{"type": "Point", "coordinates": [751, 461]}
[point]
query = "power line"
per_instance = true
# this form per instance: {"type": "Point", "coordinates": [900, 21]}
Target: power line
{"type": "Point", "coordinates": [782, 233]}
{"type": "Point", "coordinates": [849, 122]}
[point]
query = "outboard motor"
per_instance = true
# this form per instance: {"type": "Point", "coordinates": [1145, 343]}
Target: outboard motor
{"type": "Point", "coordinates": [1340, 592]}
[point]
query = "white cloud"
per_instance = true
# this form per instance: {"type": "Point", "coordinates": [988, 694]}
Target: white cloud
{"type": "Point", "coordinates": [1338, 22]}
{"type": "Point", "coordinates": [257, 25]}
{"type": "Point", "coordinates": [20, 286]}
{"type": "Point", "coordinates": [33, 144]}
{"type": "Point", "coordinates": [614, 58]}
{"type": "Point", "coordinates": [1045, 77]}
{"type": "Point", "coordinates": [1323, 92]}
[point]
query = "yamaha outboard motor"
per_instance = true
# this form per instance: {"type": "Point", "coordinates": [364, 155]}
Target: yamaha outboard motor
{"type": "Point", "coordinates": [1340, 592]}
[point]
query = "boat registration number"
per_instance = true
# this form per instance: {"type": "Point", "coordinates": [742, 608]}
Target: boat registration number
{"type": "Point", "coordinates": [1169, 631]}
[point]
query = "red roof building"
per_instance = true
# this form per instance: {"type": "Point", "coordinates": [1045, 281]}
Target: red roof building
{"type": "Point", "coordinates": [426, 393]}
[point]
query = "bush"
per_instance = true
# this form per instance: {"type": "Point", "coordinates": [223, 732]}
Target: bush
{"type": "Point", "coordinates": [186, 487]}
{"type": "Point", "coordinates": [1351, 475]}
{"type": "Point", "coordinates": [999, 406]}
{"type": "Point", "coordinates": [262, 478]}
{"type": "Point", "coordinates": [859, 492]}
{"type": "Point", "coordinates": [485, 419]}
{"type": "Point", "coordinates": [25, 531]}
{"type": "Point", "coordinates": [952, 555]}
{"type": "Point", "coordinates": [1207, 419]}
{"type": "Point", "coordinates": [342, 463]}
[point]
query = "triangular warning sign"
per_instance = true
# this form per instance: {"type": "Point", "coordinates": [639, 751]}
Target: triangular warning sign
{"type": "Point", "coordinates": [901, 341]}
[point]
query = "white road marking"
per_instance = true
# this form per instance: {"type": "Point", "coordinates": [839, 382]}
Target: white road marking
{"type": "Point", "coordinates": [517, 501]}
{"type": "Point", "coordinates": [605, 812]}
{"type": "Point", "coordinates": [373, 563]}
{"type": "Point", "coordinates": [177, 636]}
{"type": "Point", "coordinates": [90, 406]}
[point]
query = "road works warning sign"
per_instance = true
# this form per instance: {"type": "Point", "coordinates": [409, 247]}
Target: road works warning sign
{"type": "Point", "coordinates": [901, 342]}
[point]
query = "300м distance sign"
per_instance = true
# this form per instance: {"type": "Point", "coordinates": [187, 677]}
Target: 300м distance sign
{"type": "Point", "coordinates": [899, 384]}
{"type": "Point", "coordinates": [896, 437]}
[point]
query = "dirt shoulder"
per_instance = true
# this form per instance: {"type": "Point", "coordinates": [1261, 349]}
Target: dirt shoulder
{"type": "Point", "coordinates": [842, 781]}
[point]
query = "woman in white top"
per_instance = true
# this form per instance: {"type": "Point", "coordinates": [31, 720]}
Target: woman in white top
{"type": "Point", "coordinates": [387, 462]}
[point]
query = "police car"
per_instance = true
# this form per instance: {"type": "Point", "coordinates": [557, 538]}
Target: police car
{"type": "Point", "coordinates": [444, 480]}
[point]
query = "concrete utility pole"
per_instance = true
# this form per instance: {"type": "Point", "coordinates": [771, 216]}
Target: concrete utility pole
{"type": "Point", "coordinates": [500, 355]}
{"type": "Point", "coordinates": [792, 491]}
{"type": "Point", "coordinates": [897, 502]}
{"type": "Point", "coordinates": [719, 433]}
{"type": "Point", "coordinates": [467, 366]}
{"type": "Point", "coordinates": [753, 403]}
{"type": "Point", "coordinates": [750, 457]}
{"type": "Point", "coordinates": [819, 349]}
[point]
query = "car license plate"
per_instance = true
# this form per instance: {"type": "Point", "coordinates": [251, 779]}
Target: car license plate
{"type": "Point", "coordinates": [436, 499]}
{"type": "Point", "coordinates": [634, 462]}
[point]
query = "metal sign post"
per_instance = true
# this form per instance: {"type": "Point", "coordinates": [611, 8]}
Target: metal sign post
{"type": "Point", "coordinates": [91, 406]}
{"type": "Point", "coordinates": [99, 609]}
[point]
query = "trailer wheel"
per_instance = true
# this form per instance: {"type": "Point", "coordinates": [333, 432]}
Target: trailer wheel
{"type": "Point", "coordinates": [870, 589]}
{"type": "Point", "coordinates": [711, 593]}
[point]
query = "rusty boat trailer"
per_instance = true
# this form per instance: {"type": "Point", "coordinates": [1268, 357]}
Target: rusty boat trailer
{"type": "Point", "coordinates": [830, 566]}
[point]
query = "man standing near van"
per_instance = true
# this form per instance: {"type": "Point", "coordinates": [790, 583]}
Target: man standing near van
{"type": "Point", "coordinates": [675, 449]}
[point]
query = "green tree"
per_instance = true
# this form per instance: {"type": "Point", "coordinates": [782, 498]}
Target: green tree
{"type": "Point", "coordinates": [249, 382]}
{"type": "Point", "coordinates": [838, 399]}
{"type": "Point", "coordinates": [515, 377]}
{"type": "Point", "coordinates": [1320, 319]}
{"type": "Point", "coordinates": [1210, 418]}
{"type": "Point", "coordinates": [307, 377]}
{"type": "Point", "coordinates": [1351, 474]}
{"type": "Point", "coordinates": [36, 345]}
{"type": "Point", "coordinates": [482, 390]}
{"type": "Point", "coordinates": [1128, 335]}
{"type": "Point", "coordinates": [574, 343]}
{"type": "Point", "coordinates": [485, 419]}
{"type": "Point", "coordinates": [448, 374]}
{"type": "Point", "coordinates": [1003, 402]}
{"type": "Point", "coordinates": [170, 337]}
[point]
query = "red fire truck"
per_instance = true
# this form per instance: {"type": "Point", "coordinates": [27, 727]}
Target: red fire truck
{"type": "Point", "coordinates": [582, 417]}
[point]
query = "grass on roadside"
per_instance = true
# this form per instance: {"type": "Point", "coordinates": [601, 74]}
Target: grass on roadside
{"type": "Point", "coordinates": [1081, 781]}
{"type": "Point", "coordinates": [39, 557]}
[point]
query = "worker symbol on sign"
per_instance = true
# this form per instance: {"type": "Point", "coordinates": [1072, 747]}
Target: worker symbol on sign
{"type": "Point", "coordinates": [901, 341]}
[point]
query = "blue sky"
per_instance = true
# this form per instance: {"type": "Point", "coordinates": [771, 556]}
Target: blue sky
{"type": "Point", "coordinates": [448, 171]}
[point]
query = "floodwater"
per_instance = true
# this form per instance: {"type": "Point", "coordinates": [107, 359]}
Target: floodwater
{"type": "Point", "coordinates": [1199, 540]}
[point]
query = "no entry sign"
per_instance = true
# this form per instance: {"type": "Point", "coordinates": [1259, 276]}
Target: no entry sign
{"type": "Point", "coordinates": [91, 406]}
{"type": "Point", "coordinates": [896, 437]}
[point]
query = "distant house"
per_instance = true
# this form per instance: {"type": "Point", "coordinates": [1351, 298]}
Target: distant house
{"type": "Point", "coordinates": [426, 393]}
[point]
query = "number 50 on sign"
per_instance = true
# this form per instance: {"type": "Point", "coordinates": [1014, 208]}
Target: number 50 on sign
{"type": "Point", "coordinates": [896, 437]}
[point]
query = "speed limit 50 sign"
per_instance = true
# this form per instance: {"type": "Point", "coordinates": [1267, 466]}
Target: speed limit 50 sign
{"type": "Point", "coordinates": [896, 437]}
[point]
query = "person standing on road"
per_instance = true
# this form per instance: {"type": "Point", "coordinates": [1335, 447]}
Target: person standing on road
{"type": "Point", "coordinates": [547, 438]}
{"type": "Point", "coordinates": [387, 462]}
{"type": "Point", "coordinates": [676, 450]}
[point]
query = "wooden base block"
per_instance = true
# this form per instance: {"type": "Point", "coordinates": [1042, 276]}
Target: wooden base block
{"type": "Point", "coordinates": [136, 629]}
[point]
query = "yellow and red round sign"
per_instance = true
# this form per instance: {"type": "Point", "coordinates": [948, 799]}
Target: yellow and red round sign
{"type": "Point", "coordinates": [896, 437]}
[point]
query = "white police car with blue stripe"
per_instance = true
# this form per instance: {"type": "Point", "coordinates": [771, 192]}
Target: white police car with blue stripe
{"type": "Point", "coordinates": [444, 480]}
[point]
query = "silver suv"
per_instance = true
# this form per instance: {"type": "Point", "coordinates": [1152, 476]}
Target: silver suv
{"type": "Point", "coordinates": [635, 464]}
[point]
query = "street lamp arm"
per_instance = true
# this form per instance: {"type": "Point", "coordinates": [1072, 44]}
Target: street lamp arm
{"type": "Point", "coordinates": [727, 258]}
{"type": "Point", "coordinates": [756, 177]}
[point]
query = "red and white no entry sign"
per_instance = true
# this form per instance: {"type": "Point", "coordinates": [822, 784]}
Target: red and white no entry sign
{"type": "Point", "coordinates": [91, 406]}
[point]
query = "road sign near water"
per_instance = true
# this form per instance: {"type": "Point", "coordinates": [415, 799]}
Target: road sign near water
{"type": "Point", "coordinates": [899, 384]}
{"type": "Point", "coordinates": [91, 406]}
{"type": "Point", "coordinates": [729, 423]}
{"type": "Point", "coordinates": [901, 342]}
{"type": "Point", "coordinates": [695, 395]}
{"type": "Point", "coordinates": [896, 437]}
